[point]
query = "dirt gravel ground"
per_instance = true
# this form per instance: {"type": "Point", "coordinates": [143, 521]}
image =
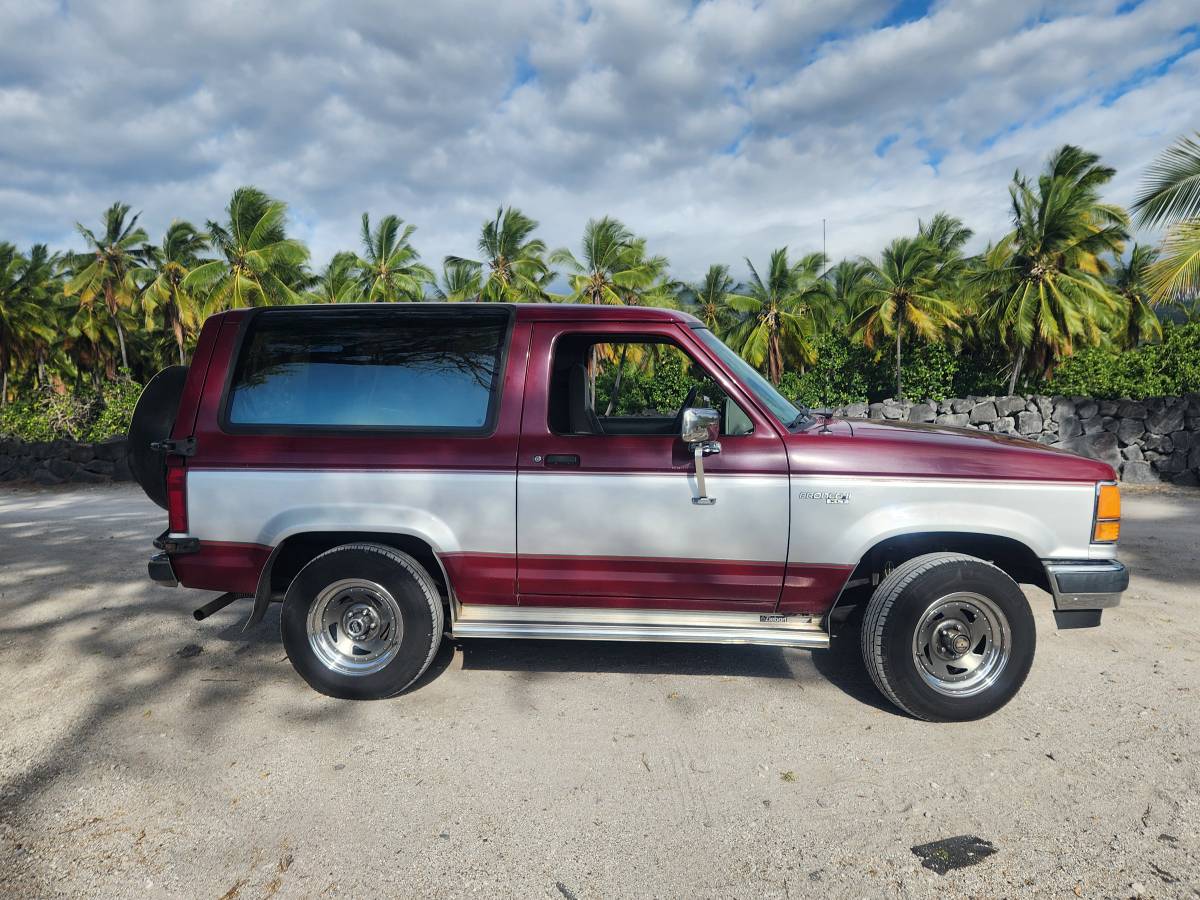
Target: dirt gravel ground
{"type": "Point", "coordinates": [145, 754]}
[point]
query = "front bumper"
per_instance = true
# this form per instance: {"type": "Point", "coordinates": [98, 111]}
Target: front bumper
{"type": "Point", "coordinates": [1082, 588]}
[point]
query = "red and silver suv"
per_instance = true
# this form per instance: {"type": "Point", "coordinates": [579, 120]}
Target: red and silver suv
{"type": "Point", "coordinates": [393, 474]}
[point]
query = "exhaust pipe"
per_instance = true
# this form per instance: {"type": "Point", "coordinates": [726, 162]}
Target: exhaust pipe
{"type": "Point", "coordinates": [216, 605]}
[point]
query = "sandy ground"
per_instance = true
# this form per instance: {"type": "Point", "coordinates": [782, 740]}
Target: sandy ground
{"type": "Point", "coordinates": [144, 754]}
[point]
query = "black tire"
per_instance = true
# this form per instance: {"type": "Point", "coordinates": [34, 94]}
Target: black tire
{"type": "Point", "coordinates": [416, 601]}
{"type": "Point", "coordinates": [904, 611]}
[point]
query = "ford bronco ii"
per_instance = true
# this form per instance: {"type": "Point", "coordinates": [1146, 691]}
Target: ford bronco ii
{"type": "Point", "coordinates": [396, 474]}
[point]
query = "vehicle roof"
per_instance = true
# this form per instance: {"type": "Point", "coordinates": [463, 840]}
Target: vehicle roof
{"type": "Point", "coordinates": [525, 312]}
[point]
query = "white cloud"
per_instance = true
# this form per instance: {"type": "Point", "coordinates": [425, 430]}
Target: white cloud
{"type": "Point", "coordinates": [717, 130]}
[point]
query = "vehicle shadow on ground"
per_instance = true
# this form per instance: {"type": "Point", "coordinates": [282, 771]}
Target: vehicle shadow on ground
{"type": "Point", "coordinates": [841, 665]}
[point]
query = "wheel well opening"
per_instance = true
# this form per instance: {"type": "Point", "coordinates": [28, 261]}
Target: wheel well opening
{"type": "Point", "coordinates": [1012, 557]}
{"type": "Point", "coordinates": [299, 549]}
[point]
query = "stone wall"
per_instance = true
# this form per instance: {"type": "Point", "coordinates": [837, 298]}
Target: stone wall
{"type": "Point", "coordinates": [1146, 441]}
{"type": "Point", "coordinates": [57, 462]}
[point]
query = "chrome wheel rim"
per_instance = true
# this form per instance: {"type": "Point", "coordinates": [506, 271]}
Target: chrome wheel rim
{"type": "Point", "coordinates": [355, 627]}
{"type": "Point", "coordinates": [962, 644]}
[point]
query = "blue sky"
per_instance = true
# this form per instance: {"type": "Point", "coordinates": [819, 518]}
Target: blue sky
{"type": "Point", "coordinates": [716, 129]}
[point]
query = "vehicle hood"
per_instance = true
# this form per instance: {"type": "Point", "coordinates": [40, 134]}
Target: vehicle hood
{"type": "Point", "coordinates": [875, 447]}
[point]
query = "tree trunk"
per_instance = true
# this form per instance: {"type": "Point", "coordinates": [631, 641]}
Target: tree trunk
{"type": "Point", "coordinates": [899, 385]}
{"type": "Point", "coordinates": [177, 328]}
{"type": "Point", "coordinates": [121, 340]}
{"type": "Point", "coordinates": [111, 302]}
{"type": "Point", "coordinates": [1018, 363]}
{"type": "Point", "coordinates": [616, 390]}
{"type": "Point", "coordinates": [774, 359]}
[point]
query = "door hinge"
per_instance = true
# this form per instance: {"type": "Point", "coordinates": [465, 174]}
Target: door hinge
{"type": "Point", "coordinates": [184, 447]}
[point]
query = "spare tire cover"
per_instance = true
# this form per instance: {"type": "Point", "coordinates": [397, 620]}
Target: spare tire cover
{"type": "Point", "coordinates": [153, 419]}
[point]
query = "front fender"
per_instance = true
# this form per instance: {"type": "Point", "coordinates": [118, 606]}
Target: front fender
{"type": "Point", "coordinates": [1053, 519]}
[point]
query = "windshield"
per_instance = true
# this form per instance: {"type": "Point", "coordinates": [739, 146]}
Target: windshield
{"type": "Point", "coordinates": [782, 408]}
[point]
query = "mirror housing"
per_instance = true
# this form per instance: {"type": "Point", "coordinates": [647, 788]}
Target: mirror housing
{"type": "Point", "coordinates": [700, 424]}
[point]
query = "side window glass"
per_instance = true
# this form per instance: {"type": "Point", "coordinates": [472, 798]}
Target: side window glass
{"type": "Point", "coordinates": [632, 387]}
{"type": "Point", "coordinates": [377, 368]}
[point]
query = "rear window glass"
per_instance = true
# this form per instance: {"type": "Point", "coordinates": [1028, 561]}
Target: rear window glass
{"type": "Point", "coordinates": [381, 369]}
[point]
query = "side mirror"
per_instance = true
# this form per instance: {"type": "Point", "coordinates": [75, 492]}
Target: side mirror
{"type": "Point", "coordinates": [700, 424]}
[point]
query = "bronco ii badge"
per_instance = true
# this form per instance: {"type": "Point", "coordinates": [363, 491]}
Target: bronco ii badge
{"type": "Point", "coordinates": [827, 496]}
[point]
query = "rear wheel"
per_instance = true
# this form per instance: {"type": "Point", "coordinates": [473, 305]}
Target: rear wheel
{"type": "Point", "coordinates": [948, 637]}
{"type": "Point", "coordinates": [362, 621]}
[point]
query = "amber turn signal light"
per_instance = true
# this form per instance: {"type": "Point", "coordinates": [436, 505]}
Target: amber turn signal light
{"type": "Point", "coordinates": [1108, 514]}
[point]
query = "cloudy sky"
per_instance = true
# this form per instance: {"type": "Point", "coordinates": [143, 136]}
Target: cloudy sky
{"type": "Point", "coordinates": [716, 129]}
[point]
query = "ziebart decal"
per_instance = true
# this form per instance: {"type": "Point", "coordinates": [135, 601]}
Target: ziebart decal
{"type": "Point", "coordinates": [826, 496]}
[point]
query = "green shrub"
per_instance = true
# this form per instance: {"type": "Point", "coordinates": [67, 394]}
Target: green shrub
{"type": "Point", "coordinates": [84, 415]}
{"type": "Point", "coordinates": [927, 370]}
{"type": "Point", "coordinates": [846, 372]}
{"type": "Point", "coordinates": [1166, 369]}
{"type": "Point", "coordinates": [841, 375]}
{"type": "Point", "coordinates": [117, 400]}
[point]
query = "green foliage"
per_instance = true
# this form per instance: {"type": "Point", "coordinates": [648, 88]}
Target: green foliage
{"type": "Point", "coordinates": [661, 388]}
{"type": "Point", "coordinates": [114, 409]}
{"type": "Point", "coordinates": [1167, 369]}
{"type": "Point", "coordinates": [928, 373]}
{"type": "Point", "coordinates": [88, 414]}
{"type": "Point", "coordinates": [840, 375]}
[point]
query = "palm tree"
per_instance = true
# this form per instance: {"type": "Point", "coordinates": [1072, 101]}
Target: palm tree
{"type": "Point", "coordinates": [784, 311]}
{"type": "Point", "coordinates": [516, 266]}
{"type": "Point", "coordinates": [709, 299]}
{"type": "Point", "coordinates": [1171, 196]}
{"type": "Point", "coordinates": [460, 281]}
{"type": "Point", "coordinates": [42, 289]}
{"type": "Point", "coordinates": [614, 268]}
{"type": "Point", "coordinates": [167, 268]}
{"type": "Point", "coordinates": [107, 268]}
{"type": "Point", "coordinates": [1044, 288]}
{"type": "Point", "coordinates": [904, 295]}
{"type": "Point", "coordinates": [1130, 281]}
{"type": "Point", "coordinates": [846, 281]}
{"type": "Point", "coordinates": [14, 312]}
{"type": "Point", "coordinates": [390, 269]}
{"type": "Point", "coordinates": [339, 283]}
{"type": "Point", "coordinates": [259, 264]}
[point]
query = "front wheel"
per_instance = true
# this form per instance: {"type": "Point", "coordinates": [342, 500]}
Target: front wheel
{"type": "Point", "coordinates": [362, 621]}
{"type": "Point", "coordinates": [948, 637]}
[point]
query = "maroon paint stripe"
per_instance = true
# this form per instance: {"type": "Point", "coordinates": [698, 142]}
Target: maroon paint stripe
{"type": "Point", "coordinates": [488, 579]}
{"type": "Point", "coordinates": [812, 588]}
{"type": "Point", "coordinates": [659, 577]}
{"type": "Point", "coordinates": [221, 566]}
{"type": "Point", "coordinates": [675, 603]}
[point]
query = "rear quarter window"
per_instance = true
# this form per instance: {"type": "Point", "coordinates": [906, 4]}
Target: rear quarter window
{"type": "Point", "coordinates": [374, 369]}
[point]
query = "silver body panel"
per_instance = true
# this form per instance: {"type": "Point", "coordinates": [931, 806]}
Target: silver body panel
{"type": "Point", "coordinates": [636, 515]}
{"type": "Point", "coordinates": [452, 511]}
{"type": "Point", "coordinates": [1053, 519]}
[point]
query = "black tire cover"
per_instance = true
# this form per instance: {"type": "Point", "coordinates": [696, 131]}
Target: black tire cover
{"type": "Point", "coordinates": [153, 419]}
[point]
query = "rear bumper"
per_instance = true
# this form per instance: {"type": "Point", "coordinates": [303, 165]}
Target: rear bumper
{"type": "Point", "coordinates": [161, 570]}
{"type": "Point", "coordinates": [1086, 584]}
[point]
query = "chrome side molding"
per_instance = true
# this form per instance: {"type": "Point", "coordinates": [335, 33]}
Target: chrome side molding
{"type": "Point", "coordinates": [639, 625]}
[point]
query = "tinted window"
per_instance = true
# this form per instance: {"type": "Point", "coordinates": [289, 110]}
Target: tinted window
{"type": "Point", "coordinates": [387, 368]}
